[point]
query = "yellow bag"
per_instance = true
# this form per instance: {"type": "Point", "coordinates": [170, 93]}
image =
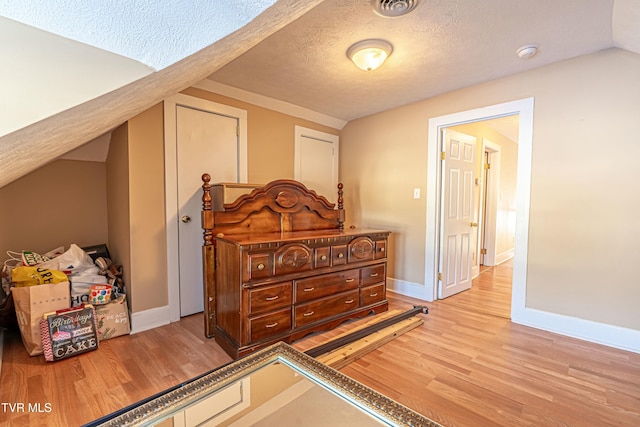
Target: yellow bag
{"type": "Point", "coordinates": [31, 276]}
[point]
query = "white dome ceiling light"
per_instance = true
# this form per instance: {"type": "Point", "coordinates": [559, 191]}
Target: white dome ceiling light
{"type": "Point", "coordinates": [393, 8]}
{"type": "Point", "coordinates": [369, 54]}
{"type": "Point", "coordinates": [527, 51]}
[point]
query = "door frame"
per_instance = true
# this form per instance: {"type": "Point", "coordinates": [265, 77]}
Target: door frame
{"type": "Point", "coordinates": [524, 108]}
{"type": "Point", "coordinates": [489, 222]}
{"type": "Point", "coordinates": [171, 181]}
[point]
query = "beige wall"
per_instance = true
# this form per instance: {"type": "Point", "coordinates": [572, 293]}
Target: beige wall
{"type": "Point", "coordinates": [270, 138]}
{"type": "Point", "coordinates": [147, 211]}
{"type": "Point", "coordinates": [58, 204]}
{"type": "Point", "coordinates": [118, 203]}
{"type": "Point", "coordinates": [585, 181]}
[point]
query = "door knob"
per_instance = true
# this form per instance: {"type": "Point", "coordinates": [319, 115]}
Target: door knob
{"type": "Point", "coordinates": [186, 218]}
{"type": "Point", "coordinates": [474, 224]}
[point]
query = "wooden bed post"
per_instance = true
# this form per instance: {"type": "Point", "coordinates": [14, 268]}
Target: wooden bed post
{"type": "Point", "coordinates": [340, 207]}
{"type": "Point", "coordinates": [208, 259]}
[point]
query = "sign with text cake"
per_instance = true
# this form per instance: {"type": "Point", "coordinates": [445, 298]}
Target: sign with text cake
{"type": "Point", "coordinates": [69, 332]}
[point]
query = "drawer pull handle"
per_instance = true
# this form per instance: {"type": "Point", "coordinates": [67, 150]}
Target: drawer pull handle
{"type": "Point", "coordinates": [349, 280]}
{"type": "Point", "coordinates": [340, 255]}
{"type": "Point", "coordinates": [323, 258]}
{"type": "Point", "coordinates": [349, 301]}
{"type": "Point", "coordinates": [311, 313]}
{"type": "Point", "coordinates": [375, 294]}
{"type": "Point", "coordinates": [374, 274]}
{"type": "Point", "coordinates": [381, 249]}
{"type": "Point", "coordinates": [272, 298]}
{"type": "Point", "coordinates": [260, 266]}
{"type": "Point", "coordinates": [308, 289]}
{"type": "Point", "coordinates": [271, 325]}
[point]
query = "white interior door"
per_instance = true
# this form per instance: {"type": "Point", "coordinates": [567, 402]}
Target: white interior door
{"type": "Point", "coordinates": [316, 161]}
{"type": "Point", "coordinates": [200, 137]}
{"type": "Point", "coordinates": [458, 224]}
{"type": "Point", "coordinates": [206, 142]}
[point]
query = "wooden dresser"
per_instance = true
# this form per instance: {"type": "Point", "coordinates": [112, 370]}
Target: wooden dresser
{"type": "Point", "coordinates": [278, 265]}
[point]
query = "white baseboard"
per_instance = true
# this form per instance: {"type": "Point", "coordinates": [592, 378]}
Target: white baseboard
{"type": "Point", "coordinates": [587, 330]}
{"type": "Point", "coordinates": [149, 319]}
{"type": "Point", "coordinates": [504, 256]}
{"type": "Point", "coordinates": [408, 289]}
{"type": "Point", "coordinates": [599, 333]}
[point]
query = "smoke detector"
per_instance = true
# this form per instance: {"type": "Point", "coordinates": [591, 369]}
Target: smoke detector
{"type": "Point", "coordinates": [527, 51]}
{"type": "Point", "coordinates": [393, 8]}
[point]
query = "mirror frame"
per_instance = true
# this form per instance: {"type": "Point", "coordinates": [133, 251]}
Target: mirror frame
{"type": "Point", "coordinates": [163, 405]}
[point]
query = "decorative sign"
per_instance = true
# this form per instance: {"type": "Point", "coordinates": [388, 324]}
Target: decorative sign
{"type": "Point", "coordinates": [69, 332]}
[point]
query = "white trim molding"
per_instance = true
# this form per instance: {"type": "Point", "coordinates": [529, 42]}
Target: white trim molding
{"type": "Point", "coordinates": [600, 333]}
{"type": "Point", "coordinates": [270, 103]}
{"type": "Point", "coordinates": [504, 256]}
{"type": "Point", "coordinates": [149, 319]}
{"type": "Point", "coordinates": [408, 289]}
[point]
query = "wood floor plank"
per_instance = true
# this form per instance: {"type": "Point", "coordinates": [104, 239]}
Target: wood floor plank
{"type": "Point", "coordinates": [466, 365]}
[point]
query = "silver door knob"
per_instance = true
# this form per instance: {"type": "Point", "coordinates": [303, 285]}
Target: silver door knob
{"type": "Point", "coordinates": [186, 219]}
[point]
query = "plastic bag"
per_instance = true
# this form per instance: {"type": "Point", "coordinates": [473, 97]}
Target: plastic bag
{"type": "Point", "coordinates": [73, 261]}
{"type": "Point", "coordinates": [31, 276]}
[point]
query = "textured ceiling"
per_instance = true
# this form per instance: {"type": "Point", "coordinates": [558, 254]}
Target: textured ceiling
{"type": "Point", "coordinates": [157, 33]}
{"type": "Point", "coordinates": [443, 45]}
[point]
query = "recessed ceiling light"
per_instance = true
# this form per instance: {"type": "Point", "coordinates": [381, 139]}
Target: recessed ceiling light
{"type": "Point", "coordinates": [527, 51]}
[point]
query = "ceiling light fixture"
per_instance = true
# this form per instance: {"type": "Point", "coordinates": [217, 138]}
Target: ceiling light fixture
{"type": "Point", "coordinates": [527, 51]}
{"type": "Point", "coordinates": [369, 54]}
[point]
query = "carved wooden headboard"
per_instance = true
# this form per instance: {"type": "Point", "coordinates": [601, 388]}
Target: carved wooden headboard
{"type": "Point", "coordinates": [280, 206]}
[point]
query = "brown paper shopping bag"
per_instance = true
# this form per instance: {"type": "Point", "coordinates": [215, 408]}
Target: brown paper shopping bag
{"type": "Point", "coordinates": [113, 319]}
{"type": "Point", "coordinates": [31, 303]}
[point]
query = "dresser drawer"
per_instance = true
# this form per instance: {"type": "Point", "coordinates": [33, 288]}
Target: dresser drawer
{"type": "Point", "coordinates": [260, 265]}
{"type": "Point", "coordinates": [373, 274]}
{"type": "Point", "coordinates": [326, 284]}
{"type": "Point", "coordinates": [269, 298]}
{"type": "Point", "coordinates": [361, 249]}
{"type": "Point", "coordinates": [270, 324]}
{"type": "Point", "coordinates": [293, 258]}
{"type": "Point", "coordinates": [380, 249]}
{"type": "Point", "coordinates": [372, 294]}
{"type": "Point", "coordinates": [338, 255]}
{"type": "Point", "coordinates": [324, 308]}
{"type": "Point", "coordinates": [323, 257]}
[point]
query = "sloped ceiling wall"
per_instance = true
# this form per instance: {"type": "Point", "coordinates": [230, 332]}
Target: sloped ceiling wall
{"type": "Point", "coordinates": [31, 145]}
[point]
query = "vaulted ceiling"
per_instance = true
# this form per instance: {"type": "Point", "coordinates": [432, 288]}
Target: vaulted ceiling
{"type": "Point", "coordinates": [73, 72]}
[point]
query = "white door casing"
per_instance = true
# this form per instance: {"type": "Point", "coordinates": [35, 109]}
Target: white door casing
{"type": "Point", "coordinates": [492, 184]}
{"type": "Point", "coordinates": [316, 161]}
{"type": "Point", "coordinates": [458, 232]}
{"type": "Point", "coordinates": [524, 108]}
{"type": "Point", "coordinates": [196, 130]}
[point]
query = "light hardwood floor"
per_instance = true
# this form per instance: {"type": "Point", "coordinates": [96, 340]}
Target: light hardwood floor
{"type": "Point", "coordinates": [467, 365]}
